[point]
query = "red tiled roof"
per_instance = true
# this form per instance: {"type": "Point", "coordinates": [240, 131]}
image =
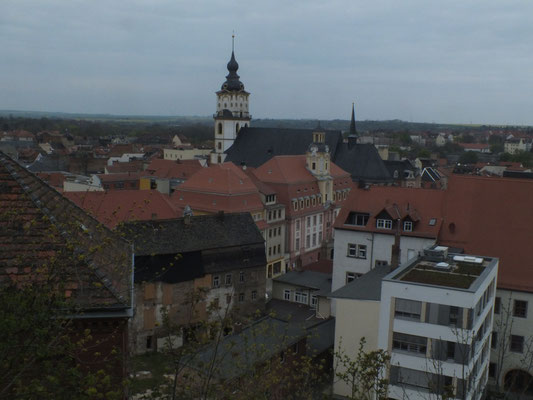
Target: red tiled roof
{"type": "Point", "coordinates": [484, 216]}
{"type": "Point", "coordinates": [121, 167]}
{"type": "Point", "coordinates": [129, 176]}
{"type": "Point", "coordinates": [492, 217]}
{"type": "Point", "coordinates": [223, 178]}
{"type": "Point", "coordinates": [113, 207]}
{"type": "Point", "coordinates": [421, 205]}
{"type": "Point", "coordinates": [291, 169]}
{"type": "Point", "coordinates": [41, 229]}
{"type": "Point", "coordinates": [169, 169]}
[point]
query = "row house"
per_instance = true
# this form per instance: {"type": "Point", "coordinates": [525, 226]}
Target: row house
{"type": "Point", "coordinates": [313, 190]}
{"type": "Point", "coordinates": [213, 263]}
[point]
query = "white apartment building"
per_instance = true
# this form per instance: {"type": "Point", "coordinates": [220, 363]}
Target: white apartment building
{"type": "Point", "coordinates": [433, 315]}
{"type": "Point", "coordinates": [436, 320]}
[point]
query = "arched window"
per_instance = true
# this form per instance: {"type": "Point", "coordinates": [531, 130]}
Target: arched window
{"type": "Point", "coordinates": [246, 125]}
{"type": "Point", "coordinates": [237, 127]}
{"type": "Point", "coordinates": [219, 145]}
{"type": "Point", "coordinates": [219, 128]}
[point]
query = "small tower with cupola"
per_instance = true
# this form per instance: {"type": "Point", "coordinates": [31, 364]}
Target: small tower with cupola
{"type": "Point", "coordinates": [318, 162]}
{"type": "Point", "coordinates": [232, 112]}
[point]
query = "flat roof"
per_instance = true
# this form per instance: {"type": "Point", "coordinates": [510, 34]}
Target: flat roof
{"type": "Point", "coordinates": [437, 267]}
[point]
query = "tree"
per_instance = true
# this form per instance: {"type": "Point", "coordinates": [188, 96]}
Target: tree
{"type": "Point", "coordinates": [468, 157]}
{"type": "Point", "coordinates": [364, 375]}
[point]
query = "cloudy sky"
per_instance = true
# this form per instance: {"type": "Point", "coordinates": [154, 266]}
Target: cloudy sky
{"type": "Point", "coordinates": [450, 61]}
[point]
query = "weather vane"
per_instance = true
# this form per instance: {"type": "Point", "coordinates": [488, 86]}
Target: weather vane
{"type": "Point", "coordinates": [233, 41]}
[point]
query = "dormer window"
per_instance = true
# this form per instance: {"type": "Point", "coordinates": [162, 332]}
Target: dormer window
{"type": "Point", "coordinates": [408, 226]}
{"type": "Point", "coordinates": [384, 224]}
{"type": "Point", "coordinates": [357, 219]}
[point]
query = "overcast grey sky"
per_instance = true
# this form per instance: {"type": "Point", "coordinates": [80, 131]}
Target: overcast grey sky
{"type": "Point", "coordinates": [445, 61]}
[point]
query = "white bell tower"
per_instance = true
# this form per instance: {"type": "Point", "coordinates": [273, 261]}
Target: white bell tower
{"type": "Point", "coordinates": [232, 110]}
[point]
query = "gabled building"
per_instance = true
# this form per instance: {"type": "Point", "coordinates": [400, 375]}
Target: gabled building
{"type": "Point", "coordinates": [474, 215]}
{"type": "Point", "coordinates": [44, 235]}
{"type": "Point", "coordinates": [220, 257]}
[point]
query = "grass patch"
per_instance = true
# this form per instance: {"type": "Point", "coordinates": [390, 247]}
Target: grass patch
{"type": "Point", "coordinates": [439, 278]}
{"type": "Point", "coordinates": [158, 364]}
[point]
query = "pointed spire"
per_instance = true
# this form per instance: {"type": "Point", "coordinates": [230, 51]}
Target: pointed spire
{"type": "Point", "coordinates": [232, 79]}
{"type": "Point", "coordinates": [353, 130]}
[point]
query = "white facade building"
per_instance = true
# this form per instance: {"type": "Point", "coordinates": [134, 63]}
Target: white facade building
{"type": "Point", "coordinates": [436, 320]}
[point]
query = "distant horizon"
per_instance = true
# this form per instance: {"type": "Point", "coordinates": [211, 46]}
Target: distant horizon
{"type": "Point", "coordinates": [6, 112]}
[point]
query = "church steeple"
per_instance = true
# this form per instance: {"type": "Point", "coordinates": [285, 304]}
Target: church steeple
{"type": "Point", "coordinates": [352, 137]}
{"type": "Point", "coordinates": [232, 109]}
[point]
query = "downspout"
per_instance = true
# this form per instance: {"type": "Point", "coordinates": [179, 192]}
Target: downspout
{"type": "Point", "coordinates": [372, 252]}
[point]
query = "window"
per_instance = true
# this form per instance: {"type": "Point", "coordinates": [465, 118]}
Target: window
{"type": "Point", "coordinates": [241, 276]}
{"type": "Point", "coordinates": [358, 219]}
{"type": "Point", "coordinates": [227, 281]}
{"type": "Point", "coordinates": [408, 309]}
{"type": "Point", "coordinates": [351, 276]}
{"type": "Point", "coordinates": [254, 294]}
{"type": "Point", "coordinates": [384, 223]}
{"type": "Point", "coordinates": [520, 309]}
{"type": "Point", "coordinates": [295, 205]}
{"type": "Point", "coordinates": [432, 221]}
{"type": "Point", "coordinates": [216, 281]}
{"type": "Point", "coordinates": [517, 343]}
{"type": "Point", "coordinates": [492, 370]}
{"type": "Point", "coordinates": [241, 297]}
{"type": "Point", "coordinates": [408, 226]}
{"type": "Point", "coordinates": [410, 343]}
{"type": "Point", "coordinates": [314, 301]}
{"type": "Point", "coordinates": [149, 340]}
{"type": "Point", "coordinates": [300, 297]}
{"type": "Point", "coordinates": [287, 295]}
{"type": "Point", "coordinates": [228, 298]}
{"type": "Point", "coordinates": [494, 340]}
{"type": "Point", "coordinates": [497, 304]}
{"type": "Point", "coordinates": [356, 250]}
{"type": "Point", "coordinates": [454, 315]}
{"type": "Point", "coordinates": [277, 268]}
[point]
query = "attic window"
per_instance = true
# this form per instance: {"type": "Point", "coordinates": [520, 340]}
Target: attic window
{"type": "Point", "coordinates": [384, 224]}
{"type": "Point", "coordinates": [432, 221]}
{"type": "Point", "coordinates": [408, 226]}
{"type": "Point", "coordinates": [357, 219]}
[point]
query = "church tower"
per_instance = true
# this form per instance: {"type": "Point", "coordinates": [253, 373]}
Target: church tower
{"type": "Point", "coordinates": [318, 162]}
{"type": "Point", "coordinates": [232, 110]}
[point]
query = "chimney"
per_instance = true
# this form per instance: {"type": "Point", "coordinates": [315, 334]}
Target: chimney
{"type": "Point", "coordinates": [395, 256]}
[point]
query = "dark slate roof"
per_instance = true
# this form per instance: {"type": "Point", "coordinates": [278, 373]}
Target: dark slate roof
{"type": "Point", "coordinates": [367, 287]}
{"type": "Point", "coordinates": [255, 146]}
{"type": "Point", "coordinates": [362, 161]}
{"type": "Point", "coordinates": [308, 279]}
{"type": "Point", "coordinates": [398, 165]}
{"type": "Point", "coordinates": [430, 174]}
{"type": "Point", "coordinates": [204, 232]}
{"type": "Point", "coordinates": [169, 268]}
{"type": "Point", "coordinates": [41, 229]}
{"type": "Point", "coordinates": [48, 163]}
{"type": "Point", "coordinates": [258, 342]}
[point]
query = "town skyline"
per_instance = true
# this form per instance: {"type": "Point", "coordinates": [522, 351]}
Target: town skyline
{"type": "Point", "coordinates": [413, 62]}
